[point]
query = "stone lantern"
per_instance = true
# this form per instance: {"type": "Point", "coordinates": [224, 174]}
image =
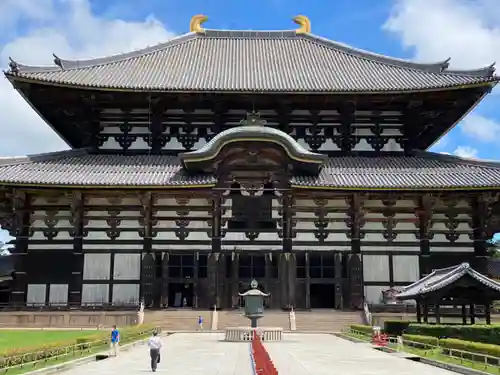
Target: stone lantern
{"type": "Point", "coordinates": [254, 303]}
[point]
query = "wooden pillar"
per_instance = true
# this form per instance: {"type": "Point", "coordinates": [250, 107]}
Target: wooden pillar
{"type": "Point", "coordinates": [19, 227]}
{"type": "Point", "coordinates": [283, 280]}
{"type": "Point", "coordinates": [481, 205]}
{"type": "Point", "coordinates": [111, 276]}
{"type": "Point", "coordinates": [487, 312]}
{"type": "Point", "coordinates": [213, 260]}
{"type": "Point", "coordinates": [437, 312]}
{"type": "Point", "coordinates": [308, 281]}
{"type": "Point", "coordinates": [165, 279]}
{"type": "Point", "coordinates": [196, 284]}
{"type": "Point", "coordinates": [472, 314]}
{"type": "Point", "coordinates": [419, 312]}
{"type": "Point", "coordinates": [426, 312]}
{"type": "Point", "coordinates": [464, 315]}
{"type": "Point", "coordinates": [424, 214]}
{"type": "Point", "coordinates": [148, 269]}
{"type": "Point", "coordinates": [339, 300]}
{"type": "Point", "coordinates": [287, 222]}
{"type": "Point", "coordinates": [355, 291]}
{"type": "Point", "coordinates": [75, 284]}
{"type": "Point", "coordinates": [291, 261]}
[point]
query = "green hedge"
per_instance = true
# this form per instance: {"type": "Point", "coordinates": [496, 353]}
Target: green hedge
{"type": "Point", "coordinates": [396, 327]}
{"type": "Point", "coordinates": [463, 345]}
{"type": "Point", "coordinates": [13, 357]}
{"type": "Point", "coordinates": [487, 334]}
{"type": "Point", "coordinates": [427, 340]}
{"type": "Point", "coordinates": [367, 330]}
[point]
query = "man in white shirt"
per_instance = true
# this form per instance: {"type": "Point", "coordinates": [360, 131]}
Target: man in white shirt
{"type": "Point", "coordinates": [155, 345]}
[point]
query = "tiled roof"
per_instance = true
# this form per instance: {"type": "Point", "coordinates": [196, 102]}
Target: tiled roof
{"type": "Point", "coordinates": [78, 168]}
{"type": "Point", "coordinates": [425, 170]}
{"type": "Point", "coordinates": [252, 61]}
{"type": "Point", "coordinates": [441, 278]}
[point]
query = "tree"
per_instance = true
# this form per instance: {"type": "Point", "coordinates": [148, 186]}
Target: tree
{"type": "Point", "coordinates": [493, 247]}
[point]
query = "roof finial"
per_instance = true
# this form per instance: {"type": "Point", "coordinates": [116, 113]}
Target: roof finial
{"type": "Point", "coordinates": [13, 65]}
{"type": "Point", "coordinates": [304, 23]}
{"type": "Point", "coordinates": [196, 22]}
{"type": "Point", "coordinates": [57, 61]}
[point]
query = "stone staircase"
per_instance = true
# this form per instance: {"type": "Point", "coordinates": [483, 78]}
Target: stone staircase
{"type": "Point", "coordinates": [178, 320]}
{"type": "Point", "coordinates": [232, 318]}
{"type": "Point", "coordinates": [276, 318]}
{"type": "Point", "coordinates": [326, 320]}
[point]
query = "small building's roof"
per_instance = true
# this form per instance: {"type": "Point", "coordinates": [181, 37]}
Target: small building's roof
{"type": "Point", "coordinates": [252, 61]}
{"type": "Point", "coordinates": [79, 168]}
{"type": "Point", "coordinates": [253, 129]}
{"type": "Point", "coordinates": [442, 278]}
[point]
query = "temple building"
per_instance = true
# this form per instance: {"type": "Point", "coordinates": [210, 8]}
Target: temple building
{"type": "Point", "coordinates": [221, 156]}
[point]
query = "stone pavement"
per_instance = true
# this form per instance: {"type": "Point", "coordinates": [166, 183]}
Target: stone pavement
{"type": "Point", "coordinates": [322, 354]}
{"type": "Point", "coordinates": [183, 354]}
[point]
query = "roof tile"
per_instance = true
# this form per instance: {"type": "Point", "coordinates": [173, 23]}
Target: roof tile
{"type": "Point", "coordinates": [78, 168]}
{"type": "Point", "coordinates": [256, 61]}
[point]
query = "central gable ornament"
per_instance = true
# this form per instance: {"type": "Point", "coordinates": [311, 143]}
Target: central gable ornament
{"type": "Point", "coordinates": [253, 119]}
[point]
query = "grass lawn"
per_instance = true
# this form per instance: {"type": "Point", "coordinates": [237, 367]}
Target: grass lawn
{"type": "Point", "coordinates": [434, 354]}
{"type": "Point", "coordinates": [12, 339]}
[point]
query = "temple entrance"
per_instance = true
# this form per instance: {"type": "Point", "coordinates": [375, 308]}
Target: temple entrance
{"type": "Point", "coordinates": [180, 295]}
{"type": "Point", "coordinates": [322, 296]}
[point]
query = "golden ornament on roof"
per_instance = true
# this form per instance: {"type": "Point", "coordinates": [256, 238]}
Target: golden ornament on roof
{"type": "Point", "coordinates": [196, 22]}
{"type": "Point", "coordinates": [304, 23]}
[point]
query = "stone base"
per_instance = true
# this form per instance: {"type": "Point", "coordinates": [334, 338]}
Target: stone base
{"type": "Point", "coordinates": [70, 319]}
{"type": "Point", "coordinates": [236, 334]}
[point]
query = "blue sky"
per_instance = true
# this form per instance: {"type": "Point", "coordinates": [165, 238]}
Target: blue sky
{"type": "Point", "coordinates": [465, 30]}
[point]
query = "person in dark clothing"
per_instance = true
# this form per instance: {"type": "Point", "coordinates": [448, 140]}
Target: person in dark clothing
{"type": "Point", "coordinates": [154, 344]}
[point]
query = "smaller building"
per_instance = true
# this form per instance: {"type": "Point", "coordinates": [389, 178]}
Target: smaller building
{"type": "Point", "coordinates": [453, 286]}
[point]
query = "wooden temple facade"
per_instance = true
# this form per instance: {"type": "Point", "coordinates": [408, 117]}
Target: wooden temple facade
{"type": "Point", "coordinates": [188, 177]}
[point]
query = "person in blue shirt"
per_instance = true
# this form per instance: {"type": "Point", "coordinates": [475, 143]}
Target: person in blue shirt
{"type": "Point", "coordinates": [200, 323]}
{"type": "Point", "coordinates": [115, 341]}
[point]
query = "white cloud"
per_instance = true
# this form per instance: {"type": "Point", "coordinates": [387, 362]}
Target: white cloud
{"type": "Point", "coordinates": [466, 31]}
{"type": "Point", "coordinates": [466, 152]}
{"type": "Point", "coordinates": [70, 30]}
{"type": "Point", "coordinates": [481, 128]}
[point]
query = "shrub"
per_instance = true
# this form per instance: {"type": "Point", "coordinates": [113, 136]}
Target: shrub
{"type": "Point", "coordinates": [426, 340]}
{"type": "Point", "coordinates": [488, 334]}
{"type": "Point", "coordinates": [367, 330]}
{"type": "Point", "coordinates": [472, 347]}
{"type": "Point", "coordinates": [396, 327]}
{"type": "Point", "coordinates": [462, 345]}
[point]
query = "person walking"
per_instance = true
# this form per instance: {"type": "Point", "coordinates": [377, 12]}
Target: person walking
{"type": "Point", "coordinates": [115, 341]}
{"type": "Point", "coordinates": [154, 344]}
{"type": "Point", "coordinates": [200, 323]}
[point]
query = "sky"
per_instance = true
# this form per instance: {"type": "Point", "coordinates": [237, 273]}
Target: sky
{"type": "Point", "coordinates": [467, 31]}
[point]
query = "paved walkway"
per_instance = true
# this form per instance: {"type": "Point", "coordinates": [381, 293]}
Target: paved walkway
{"type": "Point", "coordinates": [321, 354]}
{"type": "Point", "coordinates": [183, 354]}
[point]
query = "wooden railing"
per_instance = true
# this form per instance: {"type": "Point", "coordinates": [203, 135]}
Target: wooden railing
{"type": "Point", "coordinates": [461, 355]}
